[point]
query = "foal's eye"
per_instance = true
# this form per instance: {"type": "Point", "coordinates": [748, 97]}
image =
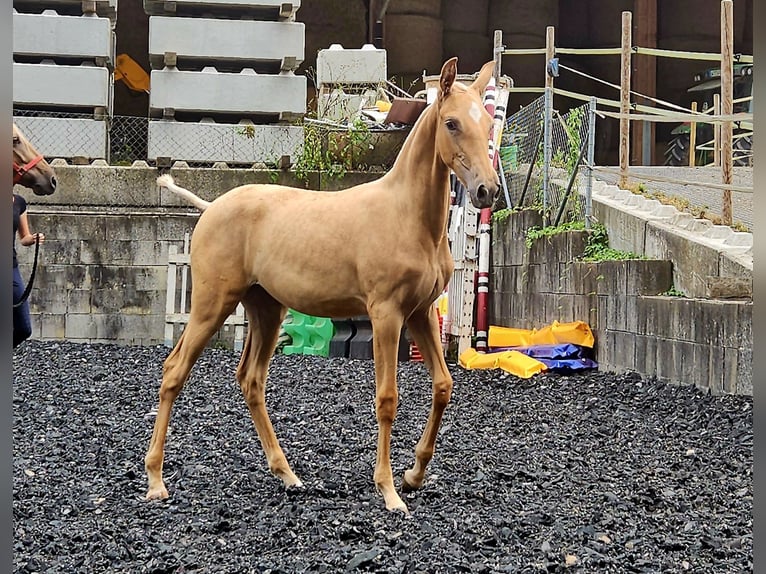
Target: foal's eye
{"type": "Point", "coordinates": [16, 140]}
{"type": "Point", "coordinates": [451, 125]}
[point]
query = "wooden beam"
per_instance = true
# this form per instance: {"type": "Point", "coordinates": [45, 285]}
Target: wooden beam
{"type": "Point", "coordinates": [625, 60]}
{"type": "Point", "coordinates": [727, 102]}
{"type": "Point", "coordinates": [644, 73]}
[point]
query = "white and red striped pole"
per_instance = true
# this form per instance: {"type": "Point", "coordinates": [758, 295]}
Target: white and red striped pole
{"type": "Point", "coordinates": [485, 218]}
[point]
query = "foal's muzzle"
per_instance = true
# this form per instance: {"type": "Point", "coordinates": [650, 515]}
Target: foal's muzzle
{"type": "Point", "coordinates": [484, 196]}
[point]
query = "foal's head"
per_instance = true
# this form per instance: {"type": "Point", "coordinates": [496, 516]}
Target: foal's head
{"type": "Point", "coordinates": [30, 168]}
{"type": "Point", "coordinates": [462, 138]}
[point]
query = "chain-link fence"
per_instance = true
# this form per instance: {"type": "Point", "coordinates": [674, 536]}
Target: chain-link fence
{"type": "Point", "coordinates": [523, 160]}
{"type": "Point", "coordinates": [305, 145]}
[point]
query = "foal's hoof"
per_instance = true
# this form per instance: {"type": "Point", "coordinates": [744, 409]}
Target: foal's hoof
{"type": "Point", "coordinates": [409, 482]}
{"type": "Point", "coordinates": [399, 507]}
{"type": "Point", "coordinates": [157, 493]}
{"type": "Point", "coordinates": [294, 489]}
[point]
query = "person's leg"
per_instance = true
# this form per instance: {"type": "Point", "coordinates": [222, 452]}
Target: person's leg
{"type": "Point", "coordinates": [22, 325]}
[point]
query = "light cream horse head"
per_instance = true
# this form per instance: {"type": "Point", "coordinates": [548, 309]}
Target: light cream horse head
{"type": "Point", "coordinates": [463, 145]}
{"type": "Point", "coordinates": [29, 166]}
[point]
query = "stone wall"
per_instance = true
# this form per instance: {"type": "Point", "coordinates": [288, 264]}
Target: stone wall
{"type": "Point", "coordinates": [102, 270]}
{"type": "Point", "coordinates": [704, 342]}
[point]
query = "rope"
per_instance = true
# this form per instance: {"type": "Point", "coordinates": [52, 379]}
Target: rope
{"type": "Point", "coordinates": [28, 289]}
{"type": "Point", "coordinates": [611, 85]}
{"type": "Point", "coordinates": [698, 118]}
{"type": "Point", "coordinates": [710, 56]}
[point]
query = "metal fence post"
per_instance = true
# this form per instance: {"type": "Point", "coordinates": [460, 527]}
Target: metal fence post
{"type": "Point", "coordinates": [591, 159]}
{"type": "Point", "coordinates": [547, 147]}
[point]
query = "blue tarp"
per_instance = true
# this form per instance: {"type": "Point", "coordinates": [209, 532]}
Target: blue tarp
{"type": "Point", "coordinates": [563, 357]}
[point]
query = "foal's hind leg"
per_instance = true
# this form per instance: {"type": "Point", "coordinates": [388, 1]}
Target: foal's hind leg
{"type": "Point", "coordinates": [208, 313]}
{"type": "Point", "coordinates": [424, 328]}
{"type": "Point", "coordinates": [265, 314]}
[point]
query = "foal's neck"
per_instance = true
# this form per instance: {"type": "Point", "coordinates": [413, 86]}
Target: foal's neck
{"type": "Point", "coordinates": [421, 178]}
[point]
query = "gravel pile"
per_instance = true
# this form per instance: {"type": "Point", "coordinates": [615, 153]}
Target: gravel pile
{"type": "Point", "coordinates": [588, 473]}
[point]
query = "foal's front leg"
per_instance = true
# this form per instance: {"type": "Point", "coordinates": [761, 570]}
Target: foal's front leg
{"type": "Point", "coordinates": [423, 325]}
{"type": "Point", "coordinates": [386, 327]}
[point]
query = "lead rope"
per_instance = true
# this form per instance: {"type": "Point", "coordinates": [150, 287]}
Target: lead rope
{"type": "Point", "coordinates": [25, 295]}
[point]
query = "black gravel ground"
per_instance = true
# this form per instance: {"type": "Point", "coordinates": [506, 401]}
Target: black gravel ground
{"type": "Point", "coordinates": [588, 473]}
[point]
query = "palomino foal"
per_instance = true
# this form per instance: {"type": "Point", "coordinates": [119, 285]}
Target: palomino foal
{"type": "Point", "coordinates": [29, 167]}
{"type": "Point", "coordinates": [378, 249]}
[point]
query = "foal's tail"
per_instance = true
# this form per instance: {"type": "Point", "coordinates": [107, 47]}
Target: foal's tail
{"type": "Point", "coordinates": [166, 180]}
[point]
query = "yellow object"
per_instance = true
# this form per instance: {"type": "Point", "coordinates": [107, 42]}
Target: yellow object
{"type": "Point", "coordinates": [520, 364]}
{"type": "Point", "coordinates": [472, 359]}
{"type": "Point", "coordinates": [508, 337]}
{"type": "Point", "coordinates": [130, 72]}
{"type": "Point", "coordinates": [576, 332]}
{"type": "Point", "coordinates": [383, 106]}
{"type": "Point", "coordinates": [512, 362]}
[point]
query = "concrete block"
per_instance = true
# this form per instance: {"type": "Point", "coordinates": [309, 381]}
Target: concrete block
{"type": "Point", "coordinates": [744, 372]}
{"type": "Point", "coordinates": [621, 347]}
{"type": "Point", "coordinates": [577, 241]}
{"type": "Point", "coordinates": [622, 313]}
{"type": "Point", "coordinates": [646, 349]}
{"type": "Point", "coordinates": [653, 316]}
{"type": "Point", "coordinates": [336, 65]}
{"type": "Point", "coordinates": [729, 288]}
{"type": "Point", "coordinates": [736, 265]}
{"type": "Point", "coordinates": [713, 322]}
{"type": "Point", "coordinates": [278, 9]}
{"type": "Point", "coordinates": [692, 261]}
{"type": "Point", "coordinates": [611, 277]}
{"type": "Point", "coordinates": [245, 93]}
{"type": "Point", "coordinates": [564, 277]}
{"type": "Point", "coordinates": [718, 232]}
{"type": "Point", "coordinates": [76, 86]}
{"type": "Point", "coordinates": [710, 362]}
{"type": "Point", "coordinates": [78, 301]}
{"type": "Point", "coordinates": [225, 40]}
{"type": "Point", "coordinates": [730, 370]}
{"type": "Point", "coordinates": [739, 239]}
{"type": "Point", "coordinates": [626, 231]}
{"type": "Point", "coordinates": [648, 276]}
{"type": "Point", "coordinates": [234, 143]}
{"type": "Point", "coordinates": [51, 34]}
{"type": "Point", "coordinates": [564, 307]}
{"type": "Point", "coordinates": [676, 361]}
{"type": "Point", "coordinates": [585, 277]}
{"type": "Point", "coordinates": [65, 137]}
{"type": "Point", "coordinates": [51, 326]}
{"type": "Point", "coordinates": [744, 329]}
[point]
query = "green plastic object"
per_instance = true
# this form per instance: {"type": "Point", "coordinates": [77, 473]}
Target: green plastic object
{"type": "Point", "coordinates": [309, 335]}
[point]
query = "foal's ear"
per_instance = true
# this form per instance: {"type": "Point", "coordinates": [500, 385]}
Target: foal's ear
{"type": "Point", "coordinates": [449, 71]}
{"type": "Point", "coordinates": [481, 81]}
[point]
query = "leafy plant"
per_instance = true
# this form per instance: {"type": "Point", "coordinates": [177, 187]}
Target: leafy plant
{"type": "Point", "coordinates": [596, 248]}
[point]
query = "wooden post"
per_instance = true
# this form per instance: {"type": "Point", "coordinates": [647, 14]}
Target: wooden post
{"type": "Point", "coordinates": [716, 130]}
{"type": "Point", "coordinates": [727, 101]}
{"type": "Point", "coordinates": [498, 56]}
{"type": "Point", "coordinates": [693, 139]}
{"type": "Point", "coordinates": [644, 79]}
{"type": "Point", "coordinates": [550, 53]}
{"type": "Point", "coordinates": [625, 98]}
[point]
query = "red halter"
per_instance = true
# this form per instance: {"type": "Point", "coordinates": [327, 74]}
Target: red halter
{"type": "Point", "coordinates": [20, 170]}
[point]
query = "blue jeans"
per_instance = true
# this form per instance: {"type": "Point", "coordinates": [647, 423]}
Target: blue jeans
{"type": "Point", "coordinates": [22, 325]}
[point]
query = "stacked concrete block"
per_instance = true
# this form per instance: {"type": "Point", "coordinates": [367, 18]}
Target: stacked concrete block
{"type": "Point", "coordinates": [223, 83]}
{"type": "Point", "coordinates": [62, 84]}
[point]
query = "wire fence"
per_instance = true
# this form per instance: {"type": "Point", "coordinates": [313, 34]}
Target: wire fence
{"type": "Point", "coordinates": [524, 164]}
{"type": "Point", "coordinates": [304, 145]}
